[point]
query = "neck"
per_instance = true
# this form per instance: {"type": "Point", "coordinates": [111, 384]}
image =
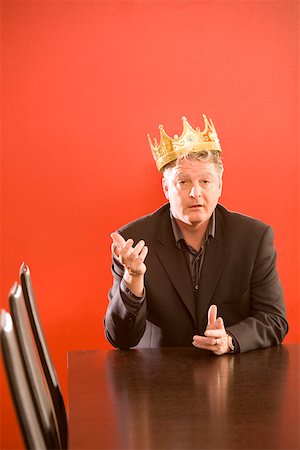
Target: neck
{"type": "Point", "coordinates": [193, 234]}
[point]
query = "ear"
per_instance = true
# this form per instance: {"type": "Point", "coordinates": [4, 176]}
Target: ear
{"type": "Point", "coordinates": [165, 187]}
{"type": "Point", "coordinates": [220, 186]}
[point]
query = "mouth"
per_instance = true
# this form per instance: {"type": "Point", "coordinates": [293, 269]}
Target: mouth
{"type": "Point", "coordinates": [198, 206]}
{"type": "Point", "coordinates": [195, 208]}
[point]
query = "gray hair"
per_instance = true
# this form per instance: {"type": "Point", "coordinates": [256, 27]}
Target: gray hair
{"type": "Point", "coordinates": [209, 156]}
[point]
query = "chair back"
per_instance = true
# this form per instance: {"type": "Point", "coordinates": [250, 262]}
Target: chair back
{"type": "Point", "coordinates": [20, 392]}
{"type": "Point", "coordinates": [33, 370]}
{"type": "Point", "coordinates": [45, 358]}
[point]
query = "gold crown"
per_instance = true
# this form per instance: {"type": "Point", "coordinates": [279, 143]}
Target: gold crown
{"type": "Point", "coordinates": [190, 141]}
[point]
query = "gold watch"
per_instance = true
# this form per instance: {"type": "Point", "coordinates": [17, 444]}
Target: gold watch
{"type": "Point", "coordinates": [230, 342]}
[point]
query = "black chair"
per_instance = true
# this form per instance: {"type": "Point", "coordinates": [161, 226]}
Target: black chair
{"type": "Point", "coordinates": [36, 381]}
{"type": "Point", "coordinates": [20, 392]}
{"type": "Point", "coordinates": [46, 361]}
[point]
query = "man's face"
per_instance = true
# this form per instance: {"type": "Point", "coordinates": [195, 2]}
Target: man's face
{"type": "Point", "coordinates": [193, 189]}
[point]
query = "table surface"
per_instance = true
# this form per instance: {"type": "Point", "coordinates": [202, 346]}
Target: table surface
{"type": "Point", "coordinates": [184, 398]}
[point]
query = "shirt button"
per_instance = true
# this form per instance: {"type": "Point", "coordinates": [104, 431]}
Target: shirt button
{"type": "Point", "coordinates": [196, 287]}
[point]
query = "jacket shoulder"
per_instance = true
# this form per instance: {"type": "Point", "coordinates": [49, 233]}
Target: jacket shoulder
{"type": "Point", "coordinates": [237, 227]}
{"type": "Point", "coordinates": [239, 219]}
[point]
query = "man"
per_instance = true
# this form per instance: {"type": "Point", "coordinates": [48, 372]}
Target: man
{"type": "Point", "coordinates": [192, 272]}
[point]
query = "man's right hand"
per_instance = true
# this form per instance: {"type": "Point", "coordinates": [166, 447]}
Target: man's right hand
{"type": "Point", "coordinates": [132, 258]}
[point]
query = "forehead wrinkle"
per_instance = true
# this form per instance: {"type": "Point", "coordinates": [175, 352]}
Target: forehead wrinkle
{"type": "Point", "coordinates": [190, 168]}
{"type": "Point", "coordinates": [195, 173]}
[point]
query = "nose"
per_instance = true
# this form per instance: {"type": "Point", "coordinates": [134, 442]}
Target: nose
{"type": "Point", "coordinates": [195, 191]}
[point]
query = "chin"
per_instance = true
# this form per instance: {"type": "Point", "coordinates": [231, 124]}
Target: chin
{"type": "Point", "coordinates": [197, 218]}
{"type": "Point", "coordinates": [196, 222]}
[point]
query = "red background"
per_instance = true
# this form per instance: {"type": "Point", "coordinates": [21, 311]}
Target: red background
{"type": "Point", "coordinates": [83, 82]}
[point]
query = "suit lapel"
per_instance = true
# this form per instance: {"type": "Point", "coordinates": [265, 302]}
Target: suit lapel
{"type": "Point", "coordinates": [174, 263]}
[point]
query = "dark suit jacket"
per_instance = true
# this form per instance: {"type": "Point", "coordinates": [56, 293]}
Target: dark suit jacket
{"type": "Point", "coordinates": [238, 275]}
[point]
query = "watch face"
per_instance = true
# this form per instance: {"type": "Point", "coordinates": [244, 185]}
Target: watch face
{"type": "Point", "coordinates": [230, 342]}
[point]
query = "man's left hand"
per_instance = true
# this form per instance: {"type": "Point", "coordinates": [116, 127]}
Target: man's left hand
{"type": "Point", "coordinates": [215, 336]}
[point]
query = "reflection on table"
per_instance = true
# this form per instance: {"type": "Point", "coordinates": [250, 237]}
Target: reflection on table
{"type": "Point", "coordinates": [184, 398]}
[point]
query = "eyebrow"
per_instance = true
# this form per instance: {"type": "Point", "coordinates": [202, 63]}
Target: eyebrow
{"type": "Point", "coordinates": [181, 173]}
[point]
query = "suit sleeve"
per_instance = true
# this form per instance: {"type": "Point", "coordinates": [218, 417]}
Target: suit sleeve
{"type": "Point", "coordinates": [266, 324]}
{"type": "Point", "coordinates": [125, 318]}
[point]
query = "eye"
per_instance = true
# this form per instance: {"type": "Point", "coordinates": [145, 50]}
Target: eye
{"type": "Point", "coordinates": [182, 183]}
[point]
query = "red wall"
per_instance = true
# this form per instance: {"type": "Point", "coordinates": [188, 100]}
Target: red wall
{"type": "Point", "coordinates": [83, 83]}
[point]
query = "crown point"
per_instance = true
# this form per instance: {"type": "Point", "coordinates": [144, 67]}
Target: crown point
{"type": "Point", "coordinates": [161, 127]}
{"type": "Point", "coordinates": [184, 119]}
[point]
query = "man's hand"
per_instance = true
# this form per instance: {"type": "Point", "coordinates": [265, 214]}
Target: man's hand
{"type": "Point", "coordinates": [132, 258]}
{"type": "Point", "coordinates": [215, 336]}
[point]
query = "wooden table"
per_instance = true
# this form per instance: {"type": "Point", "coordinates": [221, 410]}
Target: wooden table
{"type": "Point", "coordinates": [184, 398]}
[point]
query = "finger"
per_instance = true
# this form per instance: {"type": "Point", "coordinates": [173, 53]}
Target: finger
{"type": "Point", "coordinates": [137, 262]}
{"type": "Point", "coordinates": [139, 246]}
{"type": "Point", "coordinates": [144, 253]}
{"type": "Point", "coordinates": [216, 345]}
{"type": "Point", "coordinates": [115, 248]}
{"type": "Point", "coordinates": [131, 253]}
{"type": "Point", "coordinates": [219, 324]}
{"type": "Point", "coordinates": [207, 343]}
{"type": "Point", "coordinates": [118, 239]}
{"type": "Point", "coordinates": [216, 333]}
{"type": "Point", "coordinates": [126, 253]}
{"type": "Point", "coordinates": [218, 330]}
{"type": "Point", "coordinates": [212, 315]}
{"type": "Point", "coordinates": [128, 244]}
